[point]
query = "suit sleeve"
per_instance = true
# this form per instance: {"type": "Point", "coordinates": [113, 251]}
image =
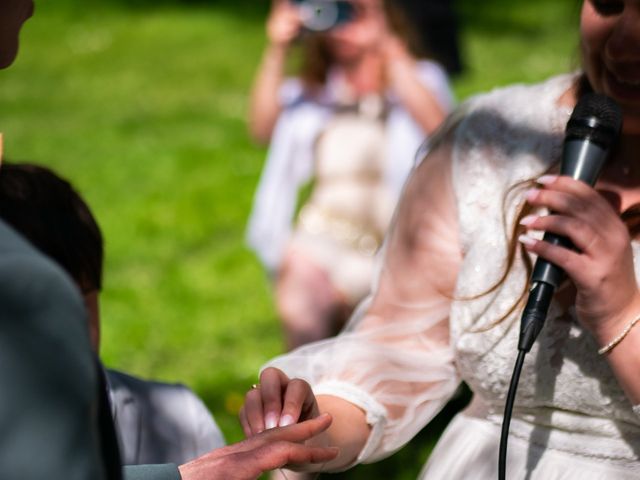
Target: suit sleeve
{"type": "Point", "coordinates": [151, 472]}
{"type": "Point", "coordinates": [47, 371]}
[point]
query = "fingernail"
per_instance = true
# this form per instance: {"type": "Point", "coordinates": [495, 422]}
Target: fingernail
{"type": "Point", "coordinates": [271, 421]}
{"type": "Point", "coordinates": [286, 420]}
{"type": "Point", "coordinates": [527, 240]}
{"type": "Point", "coordinates": [547, 179]}
{"type": "Point", "coordinates": [528, 220]}
{"type": "Point", "coordinates": [532, 194]}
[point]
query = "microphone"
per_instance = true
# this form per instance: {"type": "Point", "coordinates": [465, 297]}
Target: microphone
{"type": "Point", "coordinates": [592, 130]}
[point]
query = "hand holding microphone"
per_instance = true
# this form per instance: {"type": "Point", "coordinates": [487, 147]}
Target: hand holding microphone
{"type": "Point", "coordinates": [585, 238]}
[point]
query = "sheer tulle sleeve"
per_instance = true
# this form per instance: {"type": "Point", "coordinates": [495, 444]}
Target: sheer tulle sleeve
{"type": "Point", "coordinates": [393, 360]}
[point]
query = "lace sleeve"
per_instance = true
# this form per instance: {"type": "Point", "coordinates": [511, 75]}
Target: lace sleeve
{"type": "Point", "coordinates": [393, 359]}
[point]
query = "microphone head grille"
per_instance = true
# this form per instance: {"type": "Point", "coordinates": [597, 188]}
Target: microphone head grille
{"type": "Point", "coordinates": [596, 117]}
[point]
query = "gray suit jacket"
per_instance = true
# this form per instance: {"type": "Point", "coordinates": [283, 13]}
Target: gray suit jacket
{"type": "Point", "coordinates": [160, 422]}
{"type": "Point", "coordinates": [49, 382]}
{"type": "Point", "coordinates": [47, 370]}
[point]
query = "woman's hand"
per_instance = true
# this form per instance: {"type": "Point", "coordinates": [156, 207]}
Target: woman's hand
{"type": "Point", "coordinates": [283, 24]}
{"type": "Point", "coordinates": [387, 43]}
{"type": "Point", "coordinates": [601, 266]}
{"type": "Point", "coordinates": [280, 401]}
{"type": "Point", "coordinates": [277, 402]}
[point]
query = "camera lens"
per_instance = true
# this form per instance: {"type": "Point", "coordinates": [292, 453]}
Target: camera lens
{"type": "Point", "coordinates": [323, 15]}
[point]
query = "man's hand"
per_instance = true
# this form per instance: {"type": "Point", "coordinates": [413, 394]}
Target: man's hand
{"type": "Point", "coordinates": [269, 450]}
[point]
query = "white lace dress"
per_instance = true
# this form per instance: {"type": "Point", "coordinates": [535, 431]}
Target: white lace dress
{"type": "Point", "coordinates": [408, 347]}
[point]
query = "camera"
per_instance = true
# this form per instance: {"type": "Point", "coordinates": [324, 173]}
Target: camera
{"type": "Point", "coordinates": [323, 15]}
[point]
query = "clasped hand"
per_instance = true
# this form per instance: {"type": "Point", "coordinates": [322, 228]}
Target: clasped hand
{"type": "Point", "coordinates": [279, 402]}
{"type": "Point", "coordinates": [269, 450]}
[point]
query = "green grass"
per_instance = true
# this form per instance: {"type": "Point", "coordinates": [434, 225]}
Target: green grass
{"type": "Point", "coordinates": [142, 105]}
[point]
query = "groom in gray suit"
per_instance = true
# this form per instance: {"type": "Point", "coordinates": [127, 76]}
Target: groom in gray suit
{"type": "Point", "coordinates": [54, 417]}
{"type": "Point", "coordinates": [155, 422]}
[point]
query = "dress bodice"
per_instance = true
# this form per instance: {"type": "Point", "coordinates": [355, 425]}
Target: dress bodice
{"type": "Point", "coordinates": [349, 172]}
{"type": "Point", "coordinates": [508, 137]}
{"type": "Point", "coordinates": [351, 146]}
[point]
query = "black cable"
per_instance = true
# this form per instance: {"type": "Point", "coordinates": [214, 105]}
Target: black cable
{"type": "Point", "coordinates": [508, 408]}
{"type": "Point", "coordinates": [533, 318]}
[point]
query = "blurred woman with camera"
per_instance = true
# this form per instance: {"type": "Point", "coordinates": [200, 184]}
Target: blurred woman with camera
{"type": "Point", "coordinates": [351, 120]}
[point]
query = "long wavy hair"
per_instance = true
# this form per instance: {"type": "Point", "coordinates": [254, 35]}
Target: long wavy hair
{"type": "Point", "coordinates": [317, 59]}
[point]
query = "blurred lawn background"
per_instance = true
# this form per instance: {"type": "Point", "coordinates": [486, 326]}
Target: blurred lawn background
{"type": "Point", "coordinates": [142, 105]}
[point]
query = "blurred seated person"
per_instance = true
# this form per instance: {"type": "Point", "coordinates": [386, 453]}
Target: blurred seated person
{"type": "Point", "coordinates": [350, 121]}
{"type": "Point", "coordinates": [155, 422]}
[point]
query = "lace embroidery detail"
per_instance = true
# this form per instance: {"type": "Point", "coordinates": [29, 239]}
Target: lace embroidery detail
{"type": "Point", "coordinates": [509, 136]}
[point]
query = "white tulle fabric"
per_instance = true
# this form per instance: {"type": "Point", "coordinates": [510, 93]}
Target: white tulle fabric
{"type": "Point", "coordinates": [409, 345]}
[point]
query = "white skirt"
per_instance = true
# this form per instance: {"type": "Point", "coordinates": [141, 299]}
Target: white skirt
{"type": "Point", "coordinates": [468, 450]}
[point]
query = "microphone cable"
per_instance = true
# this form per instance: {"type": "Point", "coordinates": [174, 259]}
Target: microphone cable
{"type": "Point", "coordinates": [592, 130]}
{"type": "Point", "coordinates": [508, 409]}
{"type": "Point", "coordinates": [533, 318]}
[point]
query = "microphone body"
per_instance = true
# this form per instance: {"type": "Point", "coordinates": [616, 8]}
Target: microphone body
{"type": "Point", "coordinates": [582, 160]}
{"type": "Point", "coordinates": [590, 135]}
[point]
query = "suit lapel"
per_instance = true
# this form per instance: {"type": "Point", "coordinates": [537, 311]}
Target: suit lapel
{"type": "Point", "coordinates": [128, 419]}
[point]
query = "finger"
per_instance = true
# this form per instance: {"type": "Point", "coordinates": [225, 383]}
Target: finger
{"type": "Point", "coordinates": [272, 383]}
{"type": "Point", "coordinates": [300, 432]}
{"type": "Point", "coordinates": [577, 189]}
{"type": "Point", "coordinates": [581, 235]}
{"type": "Point", "coordinates": [571, 262]}
{"type": "Point", "coordinates": [253, 411]}
{"type": "Point", "coordinates": [246, 428]}
{"type": "Point", "coordinates": [250, 464]}
{"type": "Point", "coordinates": [566, 184]}
{"type": "Point", "coordinates": [556, 201]}
{"type": "Point", "coordinates": [295, 454]}
{"type": "Point", "coordinates": [298, 398]}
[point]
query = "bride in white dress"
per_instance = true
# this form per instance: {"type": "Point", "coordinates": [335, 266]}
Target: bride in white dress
{"type": "Point", "coordinates": [447, 297]}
